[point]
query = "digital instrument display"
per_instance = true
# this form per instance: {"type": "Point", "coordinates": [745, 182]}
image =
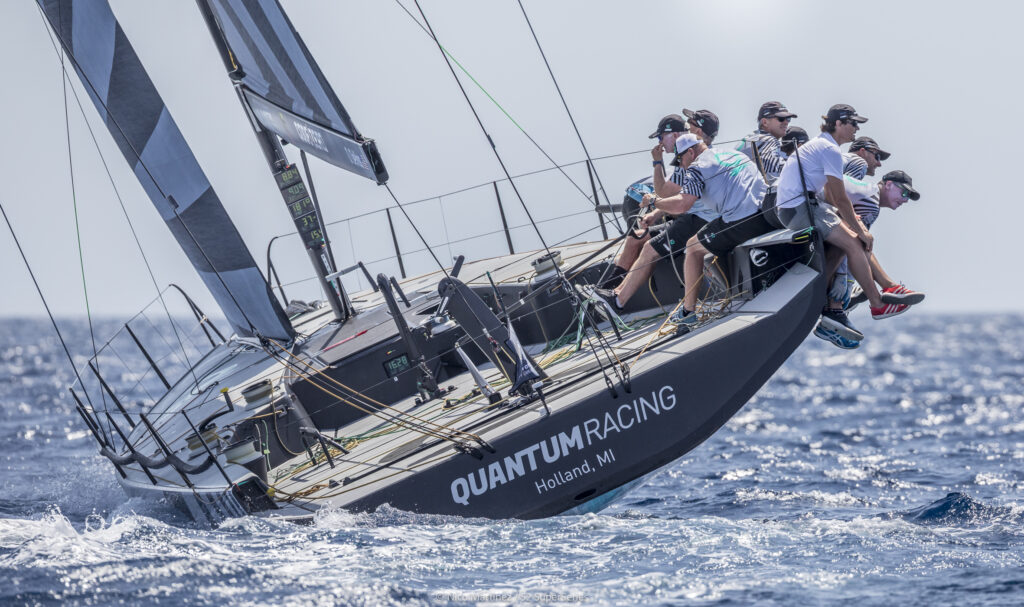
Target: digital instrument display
{"type": "Point", "coordinates": [294, 192]}
{"type": "Point", "coordinates": [396, 365]}
{"type": "Point", "coordinates": [300, 207]}
{"type": "Point", "coordinates": [287, 177]}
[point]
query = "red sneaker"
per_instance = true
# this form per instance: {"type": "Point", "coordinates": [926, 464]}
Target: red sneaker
{"type": "Point", "coordinates": [899, 294]}
{"type": "Point", "coordinates": [886, 310]}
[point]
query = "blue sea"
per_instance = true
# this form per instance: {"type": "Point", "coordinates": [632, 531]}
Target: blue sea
{"type": "Point", "coordinates": [892, 474]}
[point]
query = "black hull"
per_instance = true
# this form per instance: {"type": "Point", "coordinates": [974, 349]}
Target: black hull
{"type": "Point", "coordinates": [694, 393]}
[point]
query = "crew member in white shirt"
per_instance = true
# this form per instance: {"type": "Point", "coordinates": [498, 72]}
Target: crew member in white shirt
{"type": "Point", "coordinates": [818, 166]}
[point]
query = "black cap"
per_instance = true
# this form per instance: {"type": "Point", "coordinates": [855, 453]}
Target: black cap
{"type": "Point", "coordinates": [705, 119]}
{"type": "Point", "coordinates": [841, 111]}
{"type": "Point", "coordinates": [905, 181]}
{"type": "Point", "coordinates": [673, 123]}
{"type": "Point", "coordinates": [795, 135]}
{"type": "Point", "coordinates": [869, 144]}
{"type": "Point", "coordinates": [771, 109]}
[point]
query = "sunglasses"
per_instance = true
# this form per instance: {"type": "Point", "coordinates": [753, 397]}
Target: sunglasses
{"type": "Point", "coordinates": [905, 192]}
{"type": "Point", "coordinates": [856, 125]}
{"type": "Point", "coordinates": [786, 119]}
{"type": "Point", "coordinates": [878, 156]}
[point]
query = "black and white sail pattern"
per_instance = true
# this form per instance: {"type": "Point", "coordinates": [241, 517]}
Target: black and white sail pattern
{"type": "Point", "coordinates": [154, 147]}
{"type": "Point", "coordinates": [285, 88]}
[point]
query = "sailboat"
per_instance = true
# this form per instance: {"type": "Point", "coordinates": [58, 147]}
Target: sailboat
{"type": "Point", "coordinates": [488, 388]}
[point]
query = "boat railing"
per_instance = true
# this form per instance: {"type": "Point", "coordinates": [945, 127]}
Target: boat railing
{"type": "Point", "coordinates": [143, 360]}
{"type": "Point", "coordinates": [569, 196]}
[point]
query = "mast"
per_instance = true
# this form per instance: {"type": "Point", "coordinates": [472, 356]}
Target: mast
{"type": "Point", "coordinates": [303, 212]}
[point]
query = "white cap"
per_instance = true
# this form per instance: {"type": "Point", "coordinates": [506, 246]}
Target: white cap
{"type": "Point", "coordinates": [685, 142]}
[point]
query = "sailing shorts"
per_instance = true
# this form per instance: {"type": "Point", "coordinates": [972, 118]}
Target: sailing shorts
{"type": "Point", "coordinates": [825, 218]}
{"type": "Point", "coordinates": [720, 237]}
{"type": "Point", "coordinates": [672, 240]}
{"type": "Point", "coordinates": [771, 212]}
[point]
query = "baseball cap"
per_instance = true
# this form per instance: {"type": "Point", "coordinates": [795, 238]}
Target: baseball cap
{"type": "Point", "coordinates": [795, 135]}
{"type": "Point", "coordinates": [841, 111]}
{"type": "Point", "coordinates": [904, 180]}
{"type": "Point", "coordinates": [683, 143]}
{"type": "Point", "coordinates": [705, 119]}
{"type": "Point", "coordinates": [869, 144]}
{"type": "Point", "coordinates": [774, 108]}
{"type": "Point", "coordinates": [673, 123]}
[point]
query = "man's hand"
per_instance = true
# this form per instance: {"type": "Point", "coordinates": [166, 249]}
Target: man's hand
{"type": "Point", "coordinates": [867, 239]}
{"type": "Point", "coordinates": [650, 219]}
{"type": "Point", "coordinates": [657, 152]}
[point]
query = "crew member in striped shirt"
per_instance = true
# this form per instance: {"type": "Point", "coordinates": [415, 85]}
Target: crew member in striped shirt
{"type": "Point", "coordinates": [863, 158]}
{"type": "Point", "coordinates": [670, 242]}
{"type": "Point", "coordinates": [669, 128]}
{"type": "Point", "coordinates": [763, 145]}
{"type": "Point", "coordinates": [895, 189]}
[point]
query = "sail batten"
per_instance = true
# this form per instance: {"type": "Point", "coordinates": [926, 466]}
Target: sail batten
{"type": "Point", "coordinates": [151, 142]}
{"type": "Point", "coordinates": [285, 88]}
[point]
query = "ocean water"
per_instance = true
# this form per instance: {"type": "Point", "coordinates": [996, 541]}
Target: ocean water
{"type": "Point", "coordinates": [893, 474]}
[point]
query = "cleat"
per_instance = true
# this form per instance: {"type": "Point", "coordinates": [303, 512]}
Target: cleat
{"type": "Point", "coordinates": [901, 295]}
{"type": "Point", "coordinates": [888, 310]}
{"type": "Point", "coordinates": [837, 321]}
{"type": "Point", "coordinates": [835, 338]}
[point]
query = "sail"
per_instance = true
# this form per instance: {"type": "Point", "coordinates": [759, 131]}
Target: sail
{"type": "Point", "coordinates": [285, 88]}
{"type": "Point", "coordinates": [148, 137]}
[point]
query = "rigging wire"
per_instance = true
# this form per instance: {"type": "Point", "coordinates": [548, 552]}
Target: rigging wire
{"type": "Point", "coordinates": [85, 79]}
{"type": "Point", "coordinates": [46, 305]}
{"type": "Point", "coordinates": [448, 55]}
{"type": "Point", "coordinates": [120, 200]}
{"type": "Point", "coordinates": [78, 231]}
{"type": "Point", "coordinates": [569, 113]}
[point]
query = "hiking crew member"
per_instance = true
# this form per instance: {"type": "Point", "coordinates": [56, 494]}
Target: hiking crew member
{"type": "Point", "coordinates": [763, 145]}
{"type": "Point", "coordinates": [669, 129]}
{"type": "Point", "coordinates": [727, 183]}
{"type": "Point", "coordinates": [671, 242]}
{"type": "Point", "coordinates": [817, 166]}
{"type": "Point", "coordinates": [895, 189]}
{"type": "Point", "coordinates": [794, 138]}
{"type": "Point", "coordinates": [863, 158]}
{"type": "Point", "coordinates": [703, 124]}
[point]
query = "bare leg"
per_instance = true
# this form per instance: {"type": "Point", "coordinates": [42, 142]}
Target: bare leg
{"type": "Point", "coordinates": [638, 274]}
{"type": "Point", "coordinates": [844, 238]}
{"type": "Point", "coordinates": [693, 270]}
{"type": "Point", "coordinates": [833, 258]}
{"type": "Point", "coordinates": [631, 251]}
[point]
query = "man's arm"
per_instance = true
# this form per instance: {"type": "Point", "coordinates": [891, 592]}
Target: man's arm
{"type": "Point", "coordinates": [676, 204]}
{"type": "Point", "coordinates": [835, 194]}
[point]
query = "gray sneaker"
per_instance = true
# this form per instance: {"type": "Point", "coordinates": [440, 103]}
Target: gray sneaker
{"type": "Point", "coordinates": [682, 317]}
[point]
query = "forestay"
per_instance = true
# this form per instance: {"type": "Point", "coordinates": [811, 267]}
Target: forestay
{"type": "Point", "coordinates": [285, 88]}
{"type": "Point", "coordinates": [148, 137]}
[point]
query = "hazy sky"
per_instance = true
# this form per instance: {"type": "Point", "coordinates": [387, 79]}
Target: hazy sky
{"type": "Point", "coordinates": [939, 81]}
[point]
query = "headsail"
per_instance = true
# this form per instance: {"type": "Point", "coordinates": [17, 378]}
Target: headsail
{"type": "Point", "coordinates": [148, 137]}
{"type": "Point", "coordinates": [286, 90]}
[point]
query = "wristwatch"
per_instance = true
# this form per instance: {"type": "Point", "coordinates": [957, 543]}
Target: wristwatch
{"type": "Point", "coordinates": [657, 162]}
